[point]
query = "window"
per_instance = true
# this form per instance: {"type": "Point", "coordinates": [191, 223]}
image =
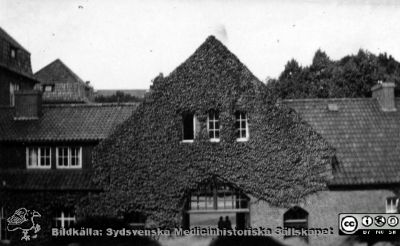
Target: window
{"type": "Point", "coordinates": [64, 218]}
{"type": "Point", "coordinates": [13, 88]}
{"type": "Point", "coordinates": [392, 204]}
{"type": "Point", "coordinates": [38, 157]}
{"type": "Point", "coordinates": [48, 88]}
{"type": "Point", "coordinates": [3, 225]}
{"type": "Point", "coordinates": [213, 126]}
{"type": "Point", "coordinates": [13, 52]}
{"type": "Point", "coordinates": [217, 196]}
{"type": "Point", "coordinates": [242, 128]}
{"type": "Point", "coordinates": [188, 127]}
{"type": "Point", "coordinates": [296, 218]}
{"type": "Point", "coordinates": [69, 157]}
{"type": "Point", "coordinates": [135, 219]}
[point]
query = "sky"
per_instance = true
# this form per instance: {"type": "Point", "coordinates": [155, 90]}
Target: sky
{"type": "Point", "coordinates": [124, 44]}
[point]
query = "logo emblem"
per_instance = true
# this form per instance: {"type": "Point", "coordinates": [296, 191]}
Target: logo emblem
{"type": "Point", "coordinates": [392, 221]}
{"type": "Point", "coordinates": [380, 220]}
{"type": "Point", "coordinates": [367, 221]}
{"type": "Point", "coordinates": [24, 220]}
{"type": "Point", "coordinates": [349, 224]}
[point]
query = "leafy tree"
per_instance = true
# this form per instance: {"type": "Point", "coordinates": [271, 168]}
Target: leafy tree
{"type": "Point", "coordinates": [119, 96]}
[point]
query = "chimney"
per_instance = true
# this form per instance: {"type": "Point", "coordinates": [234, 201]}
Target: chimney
{"type": "Point", "coordinates": [28, 105]}
{"type": "Point", "coordinates": [384, 93]}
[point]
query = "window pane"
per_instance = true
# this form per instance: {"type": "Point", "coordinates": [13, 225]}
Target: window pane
{"type": "Point", "coordinates": [33, 157]}
{"type": "Point", "coordinates": [63, 156]}
{"type": "Point", "coordinates": [188, 129]}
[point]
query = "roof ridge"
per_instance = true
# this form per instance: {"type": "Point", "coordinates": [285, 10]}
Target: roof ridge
{"type": "Point", "coordinates": [88, 105]}
{"type": "Point", "coordinates": [13, 40]}
{"type": "Point", "coordinates": [329, 99]}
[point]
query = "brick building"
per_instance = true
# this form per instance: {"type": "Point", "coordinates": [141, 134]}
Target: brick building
{"type": "Point", "coordinates": [60, 84]}
{"type": "Point", "coordinates": [46, 151]}
{"type": "Point", "coordinates": [15, 69]}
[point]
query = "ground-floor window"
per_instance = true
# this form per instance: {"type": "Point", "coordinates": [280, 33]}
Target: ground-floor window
{"type": "Point", "coordinates": [296, 218]}
{"type": "Point", "coordinates": [392, 204]}
{"type": "Point", "coordinates": [64, 218]}
{"type": "Point", "coordinates": [217, 204]}
{"type": "Point", "coordinates": [3, 225]}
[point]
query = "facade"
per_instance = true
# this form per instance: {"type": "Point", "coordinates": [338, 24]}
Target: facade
{"type": "Point", "coordinates": [205, 143]}
{"type": "Point", "coordinates": [46, 155]}
{"type": "Point", "coordinates": [15, 69]}
{"type": "Point", "coordinates": [60, 84]}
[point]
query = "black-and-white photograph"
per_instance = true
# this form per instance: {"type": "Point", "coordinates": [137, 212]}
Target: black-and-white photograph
{"type": "Point", "coordinates": [204, 123]}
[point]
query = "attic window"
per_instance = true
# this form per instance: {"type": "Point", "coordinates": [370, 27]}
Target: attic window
{"type": "Point", "coordinates": [213, 126]}
{"type": "Point", "coordinates": [48, 88]}
{"type": "Point", "coordinates": [189, 125]}
{"type": "Point", "coordinates": [296, 218]}
{"type": "Point", "coordinates": [13, 52]}
{"type": "Point", "coordinates": [333, 107]}
{"type": "Point", "coordinates": [242, 127]}
{"type": "Point", "coordinates": [38, 157]}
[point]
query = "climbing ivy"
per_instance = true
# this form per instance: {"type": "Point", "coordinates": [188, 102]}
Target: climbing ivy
{"type": "Point", "coordinates": [143, 166]}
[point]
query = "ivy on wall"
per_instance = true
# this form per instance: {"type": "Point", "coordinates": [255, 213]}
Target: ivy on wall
{"type": "Point", "coordinates": [143, 166]}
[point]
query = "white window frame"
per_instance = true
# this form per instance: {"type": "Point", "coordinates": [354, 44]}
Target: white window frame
{"type": "Point", "coordinates": [194, 131]}
{"type": "Point", "coordinates": [39, 157]}
{"type": "Point", "coordinates": [63, 219]}
{"type": "Point", "coordinates": [390, 206]}
{"type": "Point", "coordinates": [69, 166]}
{"type": "Point", "coordinates": [246, 138]}
{"type": "Point", "coordinates": [13, 88]}
{"type": "Point", "coordinates": [214, 130]}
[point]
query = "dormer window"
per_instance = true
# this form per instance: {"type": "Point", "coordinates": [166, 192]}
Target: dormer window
{"type": "Point", "coordinates": [242, 128]}
{"type": "Point", "coordinates": [69, 157]}
{"type": "Point", "coordinates": [13, 53]}
{"type": "Point", "coordinates": [189, 127]}
{"type": "Point", "coordinates": [213, 126]}
{"type": "Point", "coordinates": [38, 157]}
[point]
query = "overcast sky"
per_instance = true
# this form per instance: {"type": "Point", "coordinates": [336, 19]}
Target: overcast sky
{"type": "Point", "coordinates": [124, 44]}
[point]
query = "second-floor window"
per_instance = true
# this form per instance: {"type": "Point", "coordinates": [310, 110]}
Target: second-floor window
{"type": "Point", "coordinates": [69, 157]}
{"type": "Point", "coordinates": [213, 126]}
{"type": "Point", "coordinates": [189, 125]}
{"type": "Point", "coordinates": [392, 204]}
{"type": "Point", "coordinates": [13, 88]}
{"type": "Point", "coordinates": [64, 218]}
{"type": "Point", "coordinates": [13, 53]}
{"type": "Point", "coordinates": [38, 157]}
{"type": "Point", "coordinates": [242, 128]}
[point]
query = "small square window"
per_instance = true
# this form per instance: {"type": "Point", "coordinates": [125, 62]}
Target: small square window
{"type": "Point", "coordinates": [13, 52]}
{"type": "Point", "coordinates": [48, 88]}
{"type": "Point", "coordinates": [65, 218]}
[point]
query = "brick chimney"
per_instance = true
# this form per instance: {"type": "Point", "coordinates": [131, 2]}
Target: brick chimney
{"type": "Point", "coordinates": [384, 93]}
{"type": "Point", "coordinates": [28, 105]}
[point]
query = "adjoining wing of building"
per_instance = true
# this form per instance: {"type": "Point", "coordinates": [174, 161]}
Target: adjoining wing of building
{"type": "Point", "coordinates": [50, 153]}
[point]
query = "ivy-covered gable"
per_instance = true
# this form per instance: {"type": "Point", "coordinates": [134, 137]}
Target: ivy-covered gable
{"type": "Point", "coordinates": [144, 165]}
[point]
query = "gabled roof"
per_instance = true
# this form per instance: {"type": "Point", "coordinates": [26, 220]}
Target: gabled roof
{"type": "Point", "coordinates": [67, 122]}
{"type": "Point", "coordinates": [11, 40]}
{"type": "Point", "coordinates": [57, 72]}
{"type": "Point", "coordinates": [367, 140]}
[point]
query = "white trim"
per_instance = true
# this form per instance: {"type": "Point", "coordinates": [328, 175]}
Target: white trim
{"type": "Point", "coordinates": [69, 158]}
{"type": "Point", "coordinates": [243, 139]}
{"type": "Point", "coordinates": [63, 219]}
{"type": "Point", "coordinates": [214, 140]}
{"type": "Point", "coordinates": [39, 156]}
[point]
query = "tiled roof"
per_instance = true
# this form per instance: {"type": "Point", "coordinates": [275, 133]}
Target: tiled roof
{"type": "Point", "coordinates": [367, 140]}
{"type": "Point", "coordinates": [46, 180]}
{"type": "Point", "coordinates": [57, 72]}
{"type": "Point", "coordinates": [66, 122]}
{"type": "Point", "coordinates": [11, 40]}
{"type": "Point", "coordinates": [136, 92]}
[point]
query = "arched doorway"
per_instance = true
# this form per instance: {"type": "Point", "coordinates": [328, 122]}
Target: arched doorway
{"type": "Point", "coordinates": [214, 199]}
